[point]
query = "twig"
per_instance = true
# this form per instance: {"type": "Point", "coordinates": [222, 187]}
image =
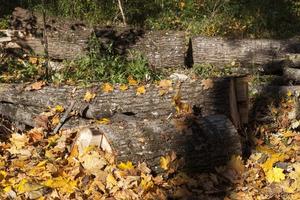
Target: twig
{"type": "Point", "coordinates": [45, 40]}
{"type": "Point", "coordinates": [64, 117]}
{"type": "Point", "coordinates": [122, 12]}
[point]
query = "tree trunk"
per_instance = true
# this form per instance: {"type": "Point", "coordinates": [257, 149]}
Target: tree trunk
{"type": "Point", "coordinates": [217, 98]}
{"type": "Point", "coordinates": [203, 143]}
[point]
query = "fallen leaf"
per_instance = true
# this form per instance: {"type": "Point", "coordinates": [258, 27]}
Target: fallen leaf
{"type": "Point", "coordinates": [55, 120]}
{"type": "Point", "coordinates": [107, 87]}
{"type": "Point", "coordinates": [132, 81]}
{"type": "Point", "coordinates": [125, 166]}
{"type": "Point", "coordinates": [275, 175]}
{"type": "Point", "coordinates": [140, 90]}
{"type": "Point", "coordinates": [165, 84]}
{"type": "Point", "coordinates": [110, 181]}
{"type": "Point", "coordinates": [123, 87]}
{"type": "Point", "coordinates": [89, 96]}
{"type": "Point", "coordinates": [103, 121]}
{"type": "Point", "coordinates": [33, 60]}
{"type": "Point", "coordinates": [165, 162]}
{"type": "Point", "coordinates": [59, 108]}
{"type": "Point", "coordinates": [35, 86]}
{"type": "Point", "coordinates": [207, 83]}
{"type": "Point", "coordinates": [237, 164]}
{"type": "Point", "coordinates": [36, 134]}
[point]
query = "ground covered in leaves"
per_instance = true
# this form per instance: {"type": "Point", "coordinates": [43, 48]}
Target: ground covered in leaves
{"type": "Point", "coordinates": [36, 166]}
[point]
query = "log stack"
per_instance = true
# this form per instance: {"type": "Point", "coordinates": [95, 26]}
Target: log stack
{"type": "Point", "coordinates": [292, 67]}
{"type": "Point", "coordinates": [146, 127]}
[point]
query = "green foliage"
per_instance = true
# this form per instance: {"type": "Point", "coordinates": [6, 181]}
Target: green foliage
{"type": "Point", "coordinates": [209, 70]}
{"type": "Point", "coordinates": [106, 66]}
{"type": "Point", "coordinates": [4, 22]}
{"type": "Point", "coordinates": [17, 70]}
{"type": "Point", "coordinates": [233, 18]}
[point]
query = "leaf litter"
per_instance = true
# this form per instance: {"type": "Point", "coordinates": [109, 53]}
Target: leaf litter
{"type": "Point", "coordinates": [36, 166]}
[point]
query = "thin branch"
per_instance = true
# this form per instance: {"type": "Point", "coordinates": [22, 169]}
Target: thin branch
{"type": "Point", "coordinates": [45, 40]}
{"type": "Point", "coordinates": [64, 117]}
{"type": "Point", "coordinates": [122, 12]}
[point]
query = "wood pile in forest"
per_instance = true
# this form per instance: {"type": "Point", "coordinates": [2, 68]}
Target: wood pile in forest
{"type": "Point", "coordinates": [69, 40]}
{"type": "Point", "coordinates": [197, 119]}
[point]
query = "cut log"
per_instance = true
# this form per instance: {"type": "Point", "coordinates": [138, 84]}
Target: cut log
{"type": "Point", "coordinates": [203, 143]}
{"type": "Point", "coordinates": [292, 74]}
{"type": "Point", "coordinates": [293, 61]}
{"type": "Point", "coordinates": [219, 98]}
{"type": "Point", "coordinates": [247, 52]}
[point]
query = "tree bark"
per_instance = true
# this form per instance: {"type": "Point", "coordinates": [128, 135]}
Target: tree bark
{"type": "Point", "coordinates": [219, 98]}
{"type": "Point", "coordinates": [203, 143]}
{"type": "Point", "coordinates": [247, 52]}
{"type": "Point", "coordinates": [292, 74]}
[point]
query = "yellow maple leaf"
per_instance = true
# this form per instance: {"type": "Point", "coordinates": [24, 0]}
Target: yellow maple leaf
{"type": "Point", "coordinates": [110, 181]}
{"type": "Point", "coordinates": [165, 162]}
{"type": "Point", "coordinates": [89, 96]}
{"type": "Point", "coordinates": [18, 140]}
{"type": "Point", "coordinates": [55, 120]}
{"type": "Point", "coordinates": [26, 186]}
{"type": "Point", "coordinates": [123, 87]}
{"type": "Point", "coordinates": [289, 93]}
{"type": "Point", "coordinates": [59, 108]}
{"type": "Point", "coordinates": [107, 87]}
{"type": "Point", "coordinates": [140, 90]}
{"type": "Point", "coordinates": [146, 182]}
{"type": "Point", "coordinates": [125, 166]}
{"type": "Point", "coordinates": [275, 175]}
{"type": "Point", "coordinates": [103, 121]}
{"type": "Point", "coordinates": [132, 81]}
{"type": "Point", "coordinates": [277, 157]}
{"type": "Point", "coordinates": [64, 184]}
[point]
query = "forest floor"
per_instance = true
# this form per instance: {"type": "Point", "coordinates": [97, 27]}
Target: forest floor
{"type": "Point", "coordinates": [36, 166]}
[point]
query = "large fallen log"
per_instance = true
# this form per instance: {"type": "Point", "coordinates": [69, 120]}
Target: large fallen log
{"type": "Point", "coordinates": [211, 96]}
{"type": "Point", "coordinates": [203, 143]}
{"type": "Point", "coordinates": [247, 52]}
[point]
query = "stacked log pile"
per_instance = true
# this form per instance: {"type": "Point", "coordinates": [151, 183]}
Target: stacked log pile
{"type": "Point", "coordinates": [146, 127]}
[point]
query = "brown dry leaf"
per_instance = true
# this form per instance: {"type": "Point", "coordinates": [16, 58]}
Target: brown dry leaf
{"type": "Point", "coordinates": [207, 83]}
{"type": "Point", "coordinates": [41, 121]}
{"type": "Point", "coordinates": [107, 87]}
{"type": "Point", "coordinates": [166, 84]}
{"type": "Point", "coordinates": [35, 86]}
{"type": "Point", "coordinates": [36, 134]}
{"type": "Point", "coordinates": [33, 60]}
{"type": "Point", "coordinates": [140, 90]}
{"type": "Point", "coordinates": [237, 164]}
{"type": "Point", "coordinates": [123, 87]}
{"type": "Point", "coordinates": [89, 96]}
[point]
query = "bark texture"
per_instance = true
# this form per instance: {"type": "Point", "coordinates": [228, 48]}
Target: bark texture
{"type": "Point", "coordinates": [218, 98]}
{"type": "Point", "coordinates": [265, 52]}
{"type": "Point", "coordinates": [203, 142]}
